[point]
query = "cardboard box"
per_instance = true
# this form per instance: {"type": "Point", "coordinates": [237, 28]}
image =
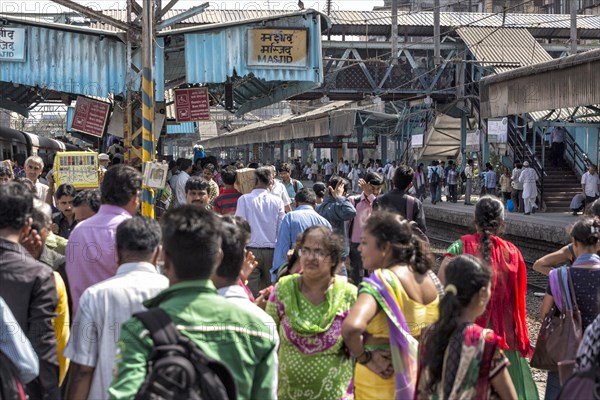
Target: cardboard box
{"type": "Point", "coordinates": [245, 180]}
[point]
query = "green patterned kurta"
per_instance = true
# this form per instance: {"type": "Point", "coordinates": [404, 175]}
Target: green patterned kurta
{"type": "Point", "coordinates": [312, 360]}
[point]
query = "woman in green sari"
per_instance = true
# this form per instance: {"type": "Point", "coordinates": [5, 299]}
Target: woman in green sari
{"type": "Point", "coordinates": [309, 310]}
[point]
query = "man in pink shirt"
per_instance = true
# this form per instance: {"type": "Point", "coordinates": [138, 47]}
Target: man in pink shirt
{"type": "Point", "coordinates": [91, 255]}
{"type": "Point", "coordinates": [371, 188]}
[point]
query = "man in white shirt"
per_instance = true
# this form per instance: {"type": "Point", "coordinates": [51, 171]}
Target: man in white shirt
{"type": "Point", "coordinates": [264, 212]}
{"type": "Point", "coordinates": [185, 167]}
{"type": "Point", "coordinates": [34, 166]}
{"type": "Point", "coordinates": [329, 166]}
{"type": "Point", "coordinates": [278, 189]}
{"type": "Point", "coordinates": [389, 175]}
{"type": "Point", "coordinates": [589, 184]}
{"type": "Point", "coordinates": [105, 306]}
{"type": "Point", "coordinates": [529, 179]}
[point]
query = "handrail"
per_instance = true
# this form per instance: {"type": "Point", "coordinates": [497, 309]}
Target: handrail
{"type": "Point", "coordinates": [575, 155]}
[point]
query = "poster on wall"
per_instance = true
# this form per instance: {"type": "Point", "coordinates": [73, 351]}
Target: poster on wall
{"type": "Point", "coordinates": [497, 130]}
{"type": "Point", "coordinates": [473, 141]}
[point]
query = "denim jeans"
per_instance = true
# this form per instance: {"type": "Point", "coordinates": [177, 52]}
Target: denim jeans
{"type": "Point", "coordinates": [552, 386]}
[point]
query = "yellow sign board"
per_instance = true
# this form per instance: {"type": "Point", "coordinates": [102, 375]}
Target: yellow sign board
{"type": "Point", "coordinates": [277, 47]}
{"type": "Point", "coordinates": [77, 168]}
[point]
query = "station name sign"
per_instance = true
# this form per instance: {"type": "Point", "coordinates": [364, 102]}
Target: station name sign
{"type": "Point", "coordinates": [12, 44]}
{"type": "Point", "coordinates": [277, 47]}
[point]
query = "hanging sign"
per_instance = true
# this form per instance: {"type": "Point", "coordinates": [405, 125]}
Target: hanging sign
{"type": "Point", "coordinates": [155, 174]}
{"type": "Point", "coordinates": [90, 116]}
{"type": "Point", "coordinates": [473, 141]}
{"type": "Point", "coordinates": [12, 44]}
{"type": "Point", "coordinates": [77, 168]}
{"type": "Point", "coordinates": [192, 104]}
{"type": "Point", "coordinates": [497, 130]}
{"type": "Point", "coordinates": [277, 47]}
{"type": "Point", "coordinates": [417, 141]}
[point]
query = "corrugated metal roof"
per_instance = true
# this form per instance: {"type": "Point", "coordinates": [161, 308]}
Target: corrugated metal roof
{"type": "Point", "coordinates": [79, 63]}
{"type": "Point", "coordinates": [419, 22]}
{"type": "Point", "coordinates": [91, 30]}
{"type": "Point", "coordinates": [217, 55]}
{"type": "Point", "coordinates": [581, 114]}
{"type": "Point", "coordinates": [185, 128]}
{"type": "Point", "coordinates": [507, 48]}
{"type": "Point", "coordinates": [274, 129]}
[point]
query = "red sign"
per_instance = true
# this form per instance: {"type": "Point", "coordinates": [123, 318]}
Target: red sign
{"type": "Point", "coordinates": [192, 104]}
{"type": "Point", "coordinates": [90, 116]}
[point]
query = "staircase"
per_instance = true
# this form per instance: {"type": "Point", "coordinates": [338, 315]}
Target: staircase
{"type": "Point", "coordinates": [560, 184]}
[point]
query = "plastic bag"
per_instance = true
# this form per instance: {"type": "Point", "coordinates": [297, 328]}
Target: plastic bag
{"type": "Point", "coordinates": [510, 206]}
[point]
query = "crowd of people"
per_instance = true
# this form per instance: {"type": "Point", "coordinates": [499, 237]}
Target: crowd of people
{"type": "Point", "coordinates": [283, 291]}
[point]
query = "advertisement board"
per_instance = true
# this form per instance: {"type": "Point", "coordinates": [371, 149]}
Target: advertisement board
{"type": "Point", "coordinates": [77, 168]}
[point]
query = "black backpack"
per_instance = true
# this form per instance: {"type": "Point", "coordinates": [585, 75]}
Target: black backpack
{"type": "Point", "coordinates": [177, 368]}
{"type": "Point", "coordinates": [11, 387]}
{"type": "Point", "coordinates": [435, 177]}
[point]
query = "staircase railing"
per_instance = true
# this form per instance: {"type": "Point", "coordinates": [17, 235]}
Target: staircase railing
{"type": "Point", "coordinates": [574, 154]}
{"type": "Point", "coordinates": [524, 152]}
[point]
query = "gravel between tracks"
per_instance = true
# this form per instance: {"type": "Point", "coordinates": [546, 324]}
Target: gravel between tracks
{"type": "Point", "coordinates": [534, 304]}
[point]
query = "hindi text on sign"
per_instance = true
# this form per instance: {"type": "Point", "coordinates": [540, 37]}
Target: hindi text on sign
{"type": "Point", "coordinates": [278, 47]}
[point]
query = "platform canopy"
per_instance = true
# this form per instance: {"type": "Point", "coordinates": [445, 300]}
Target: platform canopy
{"type": "Point", "coordinates": [571, 81]}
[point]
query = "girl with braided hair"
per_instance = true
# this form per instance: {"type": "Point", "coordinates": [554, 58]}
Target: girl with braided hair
{"type": "Point", "coordinates": [459, 359]}
{"type": "Point", "coordinates": [397, 301]}
{"type": "Point", "coordinates": [505, 313]}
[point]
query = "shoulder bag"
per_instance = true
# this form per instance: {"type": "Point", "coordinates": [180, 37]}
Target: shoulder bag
{"type": "Point", "coordinates": [560, 333]}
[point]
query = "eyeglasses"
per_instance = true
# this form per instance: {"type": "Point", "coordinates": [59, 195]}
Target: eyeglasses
{"type": "Point", "coordinates": [317, 253]}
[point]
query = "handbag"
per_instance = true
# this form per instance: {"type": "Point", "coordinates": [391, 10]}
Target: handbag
{"type": "Point", "coordinates": [560, 333]}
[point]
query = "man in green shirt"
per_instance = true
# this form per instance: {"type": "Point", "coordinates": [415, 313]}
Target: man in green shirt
{"type": "Point", "coordinates": [221, 329]}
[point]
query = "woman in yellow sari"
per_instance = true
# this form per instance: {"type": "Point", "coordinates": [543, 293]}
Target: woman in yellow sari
{"type": "Point", "coordinates": [397, 301]}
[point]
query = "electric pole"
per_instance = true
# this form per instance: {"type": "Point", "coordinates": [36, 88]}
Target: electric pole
{"type": "Point", "coordinates": [394, 37]}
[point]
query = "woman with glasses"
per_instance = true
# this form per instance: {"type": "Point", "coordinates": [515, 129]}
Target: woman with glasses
{"type": "Point", "coordinates": [308, 310]}
{"type": "Point", "coordinates": [397, 301]}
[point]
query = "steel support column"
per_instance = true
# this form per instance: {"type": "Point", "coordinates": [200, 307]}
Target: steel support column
{"type": "Point", "coordinates": [148, 107]}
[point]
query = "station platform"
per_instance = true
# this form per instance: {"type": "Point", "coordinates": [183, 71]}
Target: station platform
{"type": "Point", "coordinates": [551, 228]}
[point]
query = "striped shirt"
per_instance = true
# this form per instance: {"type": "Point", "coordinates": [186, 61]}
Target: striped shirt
{"type": "Point", "coordinates": [226, 203]}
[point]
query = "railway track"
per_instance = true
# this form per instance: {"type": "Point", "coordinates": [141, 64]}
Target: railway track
{"type": "Point", "coordinates": [535, 280]}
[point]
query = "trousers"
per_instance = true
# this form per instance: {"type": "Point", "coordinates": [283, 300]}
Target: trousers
{"type": "Point", "coordinates": [260, 278]}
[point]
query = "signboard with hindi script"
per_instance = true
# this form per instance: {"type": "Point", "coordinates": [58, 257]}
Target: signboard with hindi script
{"type": "Point", "coordinates": [77, 168]}
{"type": "Point", "coordinates": [12, 44]}
{"type": "Point", "coordinates": [277, 47]}
{"type": "Point", "coordinates": [192, 104]}
{"type": "Point", "coordinates": [90, 116]}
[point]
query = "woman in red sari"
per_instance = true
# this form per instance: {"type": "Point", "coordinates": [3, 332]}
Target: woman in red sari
{"type": "Point", "coordinates": [505, 313]}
